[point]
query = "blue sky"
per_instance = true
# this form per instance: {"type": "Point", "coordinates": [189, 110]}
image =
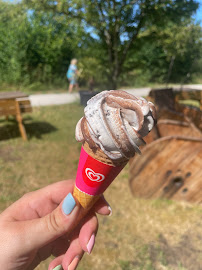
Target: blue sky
{"type": "Point", "coordinates": [197, 16]}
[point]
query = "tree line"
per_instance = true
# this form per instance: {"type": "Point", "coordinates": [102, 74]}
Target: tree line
{"type": "Point", "coordinates": [116, 42]}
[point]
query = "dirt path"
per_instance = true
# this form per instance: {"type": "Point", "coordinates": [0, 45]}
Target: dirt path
{"type": "Point", "coordinates": [65, 98]}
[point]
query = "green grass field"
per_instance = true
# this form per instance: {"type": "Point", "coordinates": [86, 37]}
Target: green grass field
{"type": "Point", "coordinates": [140, 235]}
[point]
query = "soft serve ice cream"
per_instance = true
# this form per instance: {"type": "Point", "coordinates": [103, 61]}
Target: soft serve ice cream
{"type": "Point", "coordinates": [111, 130]}
{"type": "Point", "coordinates": [116, 121]}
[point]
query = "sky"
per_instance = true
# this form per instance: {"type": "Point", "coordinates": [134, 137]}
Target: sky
{"type": "Point", "coordinates": [197, 16]}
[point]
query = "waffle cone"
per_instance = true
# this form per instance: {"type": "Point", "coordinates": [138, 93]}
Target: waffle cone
{"type": "Point", "coordinates": [99, 155]}
{"type": "Point", "coordinates": [87, 200]}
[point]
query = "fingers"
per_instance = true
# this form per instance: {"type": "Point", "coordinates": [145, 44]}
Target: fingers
{"type": "Point", "coordinates": [62, 220]}
{"type": "Point", "coordinates": [42, 231]}
{"type": "Point", "coordinates": [60, 264]}
{"type": "Point", "coordinates": [82, 239]}
{"type": "Point", "coordinates": [44, 216]}
{"type": "Point", "coordinates": [41, 202]}
{"type": "Point", "coordinates": [73, 255]}
{"type": "Point", "coordinates": [56, 263]}
{"type": "Point", "coordinates": [88, 231]}
{"type": "Point", "coordinates": [102, 207]}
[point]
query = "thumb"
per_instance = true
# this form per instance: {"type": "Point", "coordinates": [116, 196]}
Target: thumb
{"type": "Point", "coordinates": [62, 220]}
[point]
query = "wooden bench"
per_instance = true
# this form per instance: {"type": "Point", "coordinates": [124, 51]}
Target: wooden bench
{"type": "Point", "coordinates": [15, 104]}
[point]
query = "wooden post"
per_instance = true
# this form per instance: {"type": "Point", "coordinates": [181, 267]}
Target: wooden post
{"type": "Point", "coordinates": [20, 123]}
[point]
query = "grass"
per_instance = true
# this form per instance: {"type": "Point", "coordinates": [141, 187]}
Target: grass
{"type": "Point", "coordinates": [190, 102]}
{"type": "Point", "coordinates": [39, 88]}
{"type": "Point", "coordinates": [51, 154]}
{"type": "Point", "coordinates": [140, 235]}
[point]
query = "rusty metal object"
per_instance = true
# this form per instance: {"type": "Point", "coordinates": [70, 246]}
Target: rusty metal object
{"type": "Point", "coordinates": [171, 162]}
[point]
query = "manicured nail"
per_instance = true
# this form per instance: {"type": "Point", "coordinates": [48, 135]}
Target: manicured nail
{"type": "Point", "coordinates": [59, 267]}
{"type": "Point", "coordinates": [68, 204]}
{"type": "Point", "coordinates": [110, 211]}
{"type": "Point", "coordinates": [73, 265]}
{"type": "Point", "coordinates": [90, 244]}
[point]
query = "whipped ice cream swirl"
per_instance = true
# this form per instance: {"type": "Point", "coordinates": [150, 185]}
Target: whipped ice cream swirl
{"type": "Point", "coordinates": [116, 121]}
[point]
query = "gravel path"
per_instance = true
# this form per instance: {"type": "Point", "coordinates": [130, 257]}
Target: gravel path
{"type": "Point", "coordinates": [65, 98]}
{"type": "Point", "coordinates": [53, 99]}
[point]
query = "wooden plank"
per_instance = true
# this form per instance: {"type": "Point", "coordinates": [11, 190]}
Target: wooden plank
{"type": "Point", "coordinates": [12, 95]}
{"type": "Point", "coordinates": [7, 107]}
{"type": "Point", "coordinates": [16, 107]}
{"type": "Point", "coordinates": [168, 129]}
{"type": "Point", "coordinates": [179, 166]}
{"type": "Point", "coordinates": [173, 172]}
{"type": "Point", "coordinates": [163, 98]}
{"type": "Point", "coordinates": [25, 105]}
{"type": "Point", "coordinates": [145, 174]}
{"type": "Point", "coordinates": [186, 94]}
{"type": "Point", "coordinates": [192, 189]}
{"type": "Point", "coordinates": [20, 123]}
{"type": "Point", "coordinates": [194, 114]}
{"type": "Point", "coordinates": [170, 166]}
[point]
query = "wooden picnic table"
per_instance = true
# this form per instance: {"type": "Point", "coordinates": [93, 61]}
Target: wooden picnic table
{"type": "Point", "coordinates": [14, 104]}
{"type": "Point", "coordinates": [12, 95]}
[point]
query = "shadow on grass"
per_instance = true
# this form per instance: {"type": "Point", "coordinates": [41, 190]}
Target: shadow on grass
{"type": "Point", "coordinates": [10, 130]}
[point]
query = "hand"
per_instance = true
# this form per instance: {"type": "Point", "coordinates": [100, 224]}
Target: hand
{"type": "Point", "coordinates": [44, 223]}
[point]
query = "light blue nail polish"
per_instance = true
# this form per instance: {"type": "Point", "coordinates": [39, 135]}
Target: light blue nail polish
{"type": "Point", "coordinates": [68, 204]}
{"type": "Point", "coordinates": [59, 267]}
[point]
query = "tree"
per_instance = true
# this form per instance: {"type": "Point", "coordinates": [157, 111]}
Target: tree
{"type": "Point", "coordinates": [13, 22]}
{"type": "Point", "coordinates": [35, 47]}
{"type": "Point", "coordinates": [167, 54]}
{"type": "Point", "coordinates": [181, 44]}
{"type": "Point", "coordinates": [117, 24]}
{"type": "Point", "coordinates": [49, 47]}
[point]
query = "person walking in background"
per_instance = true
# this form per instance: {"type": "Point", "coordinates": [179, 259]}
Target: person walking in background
{"type": "Point", "coordinates": [72, 74]}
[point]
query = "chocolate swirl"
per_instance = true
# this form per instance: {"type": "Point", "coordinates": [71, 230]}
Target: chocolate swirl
{"type": "Point", "coordinates": [116, 121]}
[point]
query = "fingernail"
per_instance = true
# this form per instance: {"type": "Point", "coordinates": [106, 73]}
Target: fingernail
{"type": "Point", "coordinates": [90, 244]}
{"type": "Point", "coordinates": [73, 265]}
{"type": "Point", "coordinates": [59, 267]}
{"type": "Point", "coordinates": [68, 204]}
{"type": "Point", "coordinates": [110, 211]}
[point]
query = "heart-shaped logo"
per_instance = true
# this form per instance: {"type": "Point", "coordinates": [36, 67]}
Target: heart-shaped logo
{"type": "Point", "coordinates": [93, 176]}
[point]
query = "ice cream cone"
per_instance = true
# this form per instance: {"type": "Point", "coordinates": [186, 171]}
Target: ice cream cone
{"type": "Point", "coordinates": [87, 200]}
{"type": "Point", "coordinates": [99, 155]}
{"type": "Point", "coordinates": [111, 131]}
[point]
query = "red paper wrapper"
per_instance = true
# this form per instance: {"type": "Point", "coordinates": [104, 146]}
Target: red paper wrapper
{"type": "Point", "coordinates": [93, 177]}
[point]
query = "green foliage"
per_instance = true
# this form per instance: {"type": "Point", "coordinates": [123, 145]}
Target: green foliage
{"type": "Point", "coordinates": [49, 48]}
{"type": "Point", "coordinates": [35, 47]}
{"type": "Point", "coordinates": [116, 42]}
{"type": "Point", "coordinates": [167, 54]}
{"type": "Point", "coordinates": [12, 25]}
